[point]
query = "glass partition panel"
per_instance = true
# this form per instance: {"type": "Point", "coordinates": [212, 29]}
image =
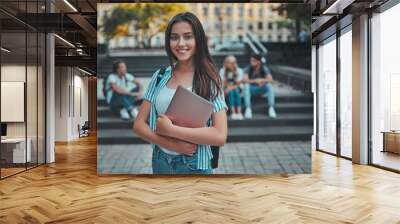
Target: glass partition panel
{"type": "Point", "coordinates": [385, 89]}
{"type": "Point", "coordinates": [327, 96]}
{"type": "Point", "coordinates": [22, 86]}
{"type": "Point", "coordinates": [13, 88]}
{"type": "Point", "coordinates": [346, 94]}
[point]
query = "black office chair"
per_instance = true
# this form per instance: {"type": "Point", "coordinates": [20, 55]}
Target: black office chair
{"type": "Point", "coordinates": [84, 130]}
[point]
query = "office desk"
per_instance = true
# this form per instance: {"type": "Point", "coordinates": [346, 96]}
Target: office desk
{"type": "Point", "coordinates": [391, 141]}
{"type": "Point", "coordinates": [13, 150]}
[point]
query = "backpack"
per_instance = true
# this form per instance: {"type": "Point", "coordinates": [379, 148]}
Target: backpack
{"type": "Point", "coordinates": [104, 86]}
{"type": "Point", "coordinates": [105, 89]}
{"type": "Point", "coordinates": [214, 149]}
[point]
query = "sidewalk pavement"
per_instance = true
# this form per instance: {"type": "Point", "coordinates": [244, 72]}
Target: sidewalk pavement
{"type": "Point", "coordinates": [235, 158]}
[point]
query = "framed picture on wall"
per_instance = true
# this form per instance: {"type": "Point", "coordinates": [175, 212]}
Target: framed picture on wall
{"type": "Point", "coordinates": [12, 101]}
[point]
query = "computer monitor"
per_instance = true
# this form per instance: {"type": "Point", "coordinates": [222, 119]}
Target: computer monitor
{"type": "Point", "coordinates": [3, 129]}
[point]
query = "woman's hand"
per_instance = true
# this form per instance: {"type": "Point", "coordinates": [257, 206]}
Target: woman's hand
{"type": "Point", "coordinates": [164, 125]}
{"type": "Point", "coordinates": [183, 147]}
{"type": "Point", "coordinates": [142, 129]}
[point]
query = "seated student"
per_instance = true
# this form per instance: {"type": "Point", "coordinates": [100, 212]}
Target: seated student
{"type": "Point", "coordinates": [232, 76]}
{"type": "Point", "coordinates": [258, 81]}
{"type": "Point", "coordinates": [118, 94]}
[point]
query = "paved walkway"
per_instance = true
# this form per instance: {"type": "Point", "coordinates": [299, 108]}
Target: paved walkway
{"type": "Point", "coordinates": [235, 158]}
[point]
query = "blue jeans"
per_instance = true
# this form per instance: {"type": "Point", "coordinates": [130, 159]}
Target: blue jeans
{"type": "Point", "coordinates": [121, 100]}
{"type": "Point", "coordinates": [234, 98]}
{"type": "Point", "coordinates": [250, 90]}
{"type": "Point", "coordinates": [164, 163]}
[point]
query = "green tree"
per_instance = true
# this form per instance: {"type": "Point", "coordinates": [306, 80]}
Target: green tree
{"type": "Point", "coordinates": [113, 22]}
{"type": "Point", "coordinates": [148, 19]}
{"type": "Point", "coordinates": [297, 17]}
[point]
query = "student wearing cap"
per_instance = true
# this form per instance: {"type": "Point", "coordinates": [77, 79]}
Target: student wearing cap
{"type": "Point", "coordinates": [116, 89]}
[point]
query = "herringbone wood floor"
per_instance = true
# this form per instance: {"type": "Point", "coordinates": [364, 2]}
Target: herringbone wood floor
{"type": "Point", "coordinates": [70, 191]}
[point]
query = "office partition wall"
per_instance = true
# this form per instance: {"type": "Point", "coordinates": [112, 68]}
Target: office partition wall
{"type": "Point", "coordinates": [22, 80]}
{"type": "Point", "coordinates": [346, 92]}
{"type": "Point", "coordinates": [334, 93]}
{"type": "Point", "coordinates": [327, 95]}
{"type": "Point", "coordinates": [14, 148]}
{"type": "Point", "coordinates": [385, 89]}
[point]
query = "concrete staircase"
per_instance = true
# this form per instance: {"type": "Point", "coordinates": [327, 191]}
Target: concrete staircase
{"type": "Point", "coordinates": [146, 65]}
{"type": "Point", "coordinates": [294, 123]}
{"type": "Point", "coordinates": [294, 108]}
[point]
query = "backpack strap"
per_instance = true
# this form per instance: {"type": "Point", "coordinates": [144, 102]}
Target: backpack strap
{"type": "Point", "coordinates": [105, 89]}
{"type": "Point", "coordinates": [126, 82]}
{"type": "Point", "coordinates": [160, 75]}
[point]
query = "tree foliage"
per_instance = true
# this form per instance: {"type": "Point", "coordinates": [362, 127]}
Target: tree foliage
{"type": "Point", "coordinates": [297, 17]}
{"type": "Point", "coordinates": [148, 19]}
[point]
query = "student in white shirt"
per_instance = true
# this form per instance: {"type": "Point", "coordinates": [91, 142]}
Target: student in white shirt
{"type": "Point", "coordinates": [118, 93]}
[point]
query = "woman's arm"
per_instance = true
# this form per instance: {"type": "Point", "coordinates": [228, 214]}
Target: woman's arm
{"type": "Point", "coordinates": [142, 129]}
{"type": "Point", "coordinates": [215, 135]}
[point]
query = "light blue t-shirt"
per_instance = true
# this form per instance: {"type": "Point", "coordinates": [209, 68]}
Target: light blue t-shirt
{"type": "Point", "coordinates": [162, 102]}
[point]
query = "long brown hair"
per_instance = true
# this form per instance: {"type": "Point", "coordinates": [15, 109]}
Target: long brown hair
{"type": "Point", "coordinates": [226, 70]}
{"type": "Point", "coordinates": [206, 81]}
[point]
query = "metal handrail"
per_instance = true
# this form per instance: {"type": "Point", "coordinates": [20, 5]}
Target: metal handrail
{"type": "Point", "coordinates": [252, 47]}
{"type": "Point", "coordinates": [257, 42]}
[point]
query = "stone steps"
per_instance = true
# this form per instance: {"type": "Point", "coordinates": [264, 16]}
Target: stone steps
{"type": "Point", "coordinates": [294, 109]}
{"type": "Point", "coordinates": [145, 66]}
{"type": "Point", "coordinates": [105, 111]}
{"type": "Point", "coordinates": [258, 120]}
{"type": "Point", "coordinates": [238, 134]}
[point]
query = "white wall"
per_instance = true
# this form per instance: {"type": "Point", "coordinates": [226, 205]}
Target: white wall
{"type": "Point", "coordinates": [71, 94]}
{"type": "Point", "coordinates": [61, 103]}
{"type": "Point", "coordinates": [80, 100]}
{"type": "Point", "coordinates": [14, 72]}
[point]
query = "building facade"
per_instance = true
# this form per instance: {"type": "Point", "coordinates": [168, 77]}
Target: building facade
{"type": "Point", "coordinates": [222, 22]}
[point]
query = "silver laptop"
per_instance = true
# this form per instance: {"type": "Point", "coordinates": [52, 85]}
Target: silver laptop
{"type": "Point", "coordinates": [188, 109]}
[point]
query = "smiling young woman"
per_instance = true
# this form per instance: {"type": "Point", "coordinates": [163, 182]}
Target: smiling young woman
{"type": "Point", "coordinates": [181, 150]}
